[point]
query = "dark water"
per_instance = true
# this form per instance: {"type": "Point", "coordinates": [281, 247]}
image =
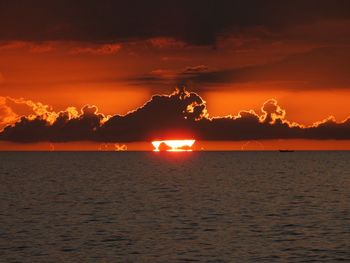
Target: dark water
{"type": "Point", "coordinates": [175, 207]}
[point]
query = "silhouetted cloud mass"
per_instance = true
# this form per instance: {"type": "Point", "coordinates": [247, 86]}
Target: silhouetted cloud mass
{"type": "Point", "coordinates": [179, 115]}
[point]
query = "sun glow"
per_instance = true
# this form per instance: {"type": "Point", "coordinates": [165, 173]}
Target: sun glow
{"type": "Point", "coordinates": [174, 145]}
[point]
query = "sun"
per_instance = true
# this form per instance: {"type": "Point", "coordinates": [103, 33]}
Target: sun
{"type": "Point", "coordinates": [174, 145]}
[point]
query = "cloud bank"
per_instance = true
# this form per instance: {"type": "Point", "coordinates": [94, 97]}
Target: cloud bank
{"type": "Point", "coordinates": [180, 115]}
{"type": "Point", "coordinates": [197, 22]}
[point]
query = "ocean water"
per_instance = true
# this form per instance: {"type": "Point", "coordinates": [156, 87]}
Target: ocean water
{"type": "Point", "coordinates": [174, 207]}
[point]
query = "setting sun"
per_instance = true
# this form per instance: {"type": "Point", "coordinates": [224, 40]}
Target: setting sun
{"type": "Point", "coordinates": [173, 145]}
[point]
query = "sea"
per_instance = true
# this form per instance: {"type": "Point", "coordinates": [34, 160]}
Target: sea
{"type": "Point", "coordinates": [175, 207]}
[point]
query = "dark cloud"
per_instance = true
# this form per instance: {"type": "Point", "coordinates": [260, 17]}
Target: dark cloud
{"type": "Point", "coordinates": [161, 116]}
{"type": "Point", "coordinates": [65, 127]}
{"type": "Point", "coordinates": [179, 115]}
{"type": "Point", "coordinates": [197, 21]}
{"type": "Point", "coordinates": [195, 70]}
{"type": "Point", "coordinates": [320, 68]}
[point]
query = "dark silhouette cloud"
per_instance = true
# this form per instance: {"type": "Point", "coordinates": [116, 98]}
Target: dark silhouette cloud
{"type": "Point", "coordinates": [318, 69]}
{"type": "Point", "coordinates": [162, 116]}
{"type": "Point", "coordinates": [179, 115]}
{"type": "Point", "coordinates": [197, 22]}
{"type": "Point", "coordinates": [65, 127]}
{"type": "Point", "coordinates": [321, 68]}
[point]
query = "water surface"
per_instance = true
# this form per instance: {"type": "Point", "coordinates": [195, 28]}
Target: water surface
{"type": "Point", "coordinates": [174, 207]}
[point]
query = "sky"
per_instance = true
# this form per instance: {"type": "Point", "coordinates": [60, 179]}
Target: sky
{"type": "Point", "coordinates": [126, 71]}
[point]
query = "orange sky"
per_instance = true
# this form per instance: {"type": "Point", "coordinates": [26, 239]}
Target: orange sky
{"type": "Point", "coordinates": [235, 58]}
{"type": "Point", "coordinates": [55, 74]}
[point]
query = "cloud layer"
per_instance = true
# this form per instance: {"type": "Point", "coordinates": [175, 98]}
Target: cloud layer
{"type": "Point", "coordinates": [318, 69]}
{"type": "Point", "coordinates": [197, 22]}
{"type": "Point", "coordinates": [179, 115]}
